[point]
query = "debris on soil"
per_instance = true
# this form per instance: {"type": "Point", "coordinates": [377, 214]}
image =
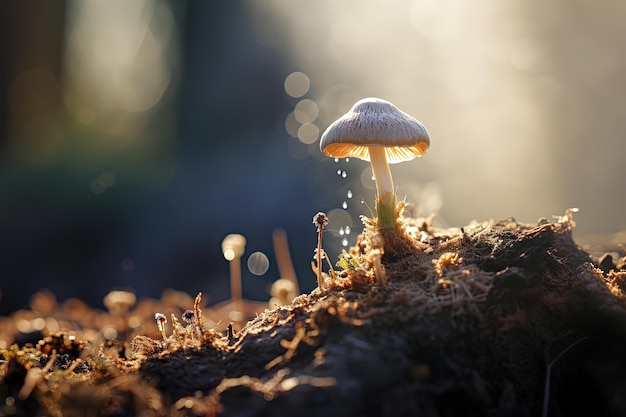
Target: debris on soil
{"type": "Point", "coordinates": [492, 319]}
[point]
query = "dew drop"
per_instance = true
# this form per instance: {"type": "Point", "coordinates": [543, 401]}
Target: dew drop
{"type": "Point", "coordinates": [336, 159]}
{"type": "Point", "coordinates": [347, 231]}
{"type": "Point", "coordinates": [347, 159]}
{"type": "Point", "coordinates": [338, 172]}
{"type": "Point", "coordinates": [344, 242]}
{"type": "Point", "coordinates": [341, 231]}
{"type": "Point", "coordinates": [344, 174]}
{"type": "Point", "coordinates": [349, 194]}
{"type": "Point", "coordinates": [344, 205]}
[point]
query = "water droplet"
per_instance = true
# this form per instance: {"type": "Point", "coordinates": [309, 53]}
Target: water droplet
{"type": "Point", "coordinates": [336, 159]}
{"type": "Point", "coordinates": [347, 230]}
{"type": "Point", "coordinates": [338, 172]}
{"type": "Point", "coordinates": [341, 231]}
{"type": "Point", "coordinates": [349, 194]}
{"type": "Point", "coordinates": [344, 174]}
{"type": "Point", "coordinates": [344, 205]}
{"type": "Point", "coordinates": [338, 217]}
{"type": "Point", "coordinates": [344, 242]}
{"type": "Point", "coordinates": [347, 159]}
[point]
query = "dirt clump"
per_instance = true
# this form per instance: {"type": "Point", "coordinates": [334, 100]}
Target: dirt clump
{"type": "Point", "coordinates": [492, 319]}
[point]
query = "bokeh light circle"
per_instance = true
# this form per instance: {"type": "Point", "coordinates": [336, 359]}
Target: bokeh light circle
{"type": "Point", "coordinates": [258, 263]}
{"type": "Point", "coordinates": [297, 84]}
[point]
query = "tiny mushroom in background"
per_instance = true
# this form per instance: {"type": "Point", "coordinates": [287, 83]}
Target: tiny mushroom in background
{"type": "Point", "coordinates": [283, 258]}
{"type": "Point", "coordinates": [161, 320]}
{"type": "Point", "coordinates": [320, 220]}
{"type": "Point", "coordinates": [233, 248]}
{"type": "Point", "coordinates": [283, 292]}
{"type": "Point", "coordinates": [377, 131]}
{"type": "Point", "coordinates": [119, 302]}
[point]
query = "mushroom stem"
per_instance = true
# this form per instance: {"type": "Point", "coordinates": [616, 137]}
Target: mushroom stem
{"type": "Point", "coordinates": [386, 197]}
{"type": "Point", "coordinates": [235, 279]}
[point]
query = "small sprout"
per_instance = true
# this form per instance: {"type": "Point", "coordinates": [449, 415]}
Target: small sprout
{"type": "Point", "coordinates": [161, 320]}
{"type": "Point", "coordinates": [348, 261]}
{"type": "Point", "coordinates": [319, 220]}
{"type": "Point", "coordinates": [343, 263]}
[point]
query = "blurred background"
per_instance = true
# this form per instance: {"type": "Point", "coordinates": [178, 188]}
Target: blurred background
{"type": "Point", "coordinates": [135, 135]}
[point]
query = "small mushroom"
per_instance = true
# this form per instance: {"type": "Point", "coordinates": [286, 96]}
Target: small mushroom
{"type": "Point", "coordinates": [119, 302]}
{"type": "Point", "coordinates": [283, 292]}
{"type": "Point", "coordinates": [319, 220]}
{"type": "Point", "coordinates": [233, 248]}
{"type": "Point", "coordinates": [377, 131]}
{"type": "Point", "coordinates": [161, 320]}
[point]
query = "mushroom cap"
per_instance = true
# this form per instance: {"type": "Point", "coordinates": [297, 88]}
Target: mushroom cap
{"type": "Point", "coordinates": [375, 122]}
{"type": "Point", "coordinates": [233, 246]}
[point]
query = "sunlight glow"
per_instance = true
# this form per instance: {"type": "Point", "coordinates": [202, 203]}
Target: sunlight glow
{"type": "Point", "coordinates": [453, 64]}
{"type": "Point", "coordinates": [118, 58]}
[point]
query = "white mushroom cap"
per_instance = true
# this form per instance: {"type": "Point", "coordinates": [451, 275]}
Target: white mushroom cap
{"type": "Point", "coordinates": [233, 246]}
{"type": "Point", "coordinates": [375, 122]}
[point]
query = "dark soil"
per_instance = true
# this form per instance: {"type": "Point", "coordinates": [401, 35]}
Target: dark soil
{"type": "Point", "coordinates": [495, 319]}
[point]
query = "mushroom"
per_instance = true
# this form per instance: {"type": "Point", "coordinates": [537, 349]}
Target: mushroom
{"type": "Point", "coordinates": [161, 320]}
{"type": "Point", "coordinates": [319, 220]}
{"type": "Point", "coordinates": [119, 302]}
{"type": "Point", "coordinates": [377, 131]}
{"type": "Point", "coordinates": [233, 248]}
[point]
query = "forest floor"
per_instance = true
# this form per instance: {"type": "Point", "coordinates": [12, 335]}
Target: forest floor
{"type": "Point", "coordinates": [497, 318]}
